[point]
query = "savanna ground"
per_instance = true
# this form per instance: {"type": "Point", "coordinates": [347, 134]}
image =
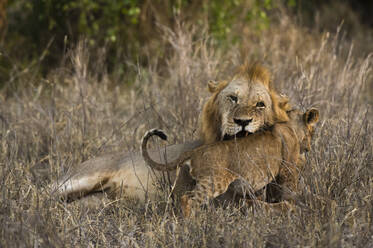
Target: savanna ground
{"type": "Point", "coordinates": [79, 111]}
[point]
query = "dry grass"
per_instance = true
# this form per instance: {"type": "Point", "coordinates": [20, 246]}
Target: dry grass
{"type": "Point", "coordinates": [77, 113]}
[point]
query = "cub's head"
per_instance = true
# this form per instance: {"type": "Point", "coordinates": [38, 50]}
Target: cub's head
{"type": "Point", "coordinates": [303, 125]}
{"type": "Point", "coordinates": [244, 105]}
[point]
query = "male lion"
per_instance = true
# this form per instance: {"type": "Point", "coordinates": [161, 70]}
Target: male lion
{"type": "Point", "coordinates": [258, 158]}
{"type": "Point", "coordinates": [245, 104]}
{"type": "Point", "coordinates": [241, 106]}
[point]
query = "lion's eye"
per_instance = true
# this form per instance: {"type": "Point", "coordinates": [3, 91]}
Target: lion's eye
{"type": "Point", "coordinates": [260, 105]}
{"type": "Point", "coordinates": [233, 98]}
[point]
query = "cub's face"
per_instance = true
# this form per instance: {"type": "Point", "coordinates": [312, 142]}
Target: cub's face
{"type": "Point", "coordinates": [303, 124]}
{"type": "Point", "coordinates": [244, 108]}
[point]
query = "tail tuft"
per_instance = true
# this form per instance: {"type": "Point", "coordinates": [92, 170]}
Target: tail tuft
{"type": "Point", "coordinates": [161, 134]}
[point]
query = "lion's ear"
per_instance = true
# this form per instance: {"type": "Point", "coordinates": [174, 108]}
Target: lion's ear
{"type": "Point", "coordinates": [311, 117]}
{"type": "Point", "coordinates": [213, 86]}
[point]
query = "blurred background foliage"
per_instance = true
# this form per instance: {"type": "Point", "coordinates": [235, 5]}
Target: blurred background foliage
{"type": "Point", "coordinates": [39, 33]}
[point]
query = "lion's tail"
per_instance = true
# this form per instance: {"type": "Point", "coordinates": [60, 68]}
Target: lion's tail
{"type": "Point", "coordinates": [149, 161]}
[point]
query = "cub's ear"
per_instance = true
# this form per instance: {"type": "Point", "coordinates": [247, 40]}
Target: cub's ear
{"type": "Point", "coordinates": [213, 86]}
{"type": "Point", "coordinates": [283, 102]}
{"type": "Point", "coordinates": [311, 117]}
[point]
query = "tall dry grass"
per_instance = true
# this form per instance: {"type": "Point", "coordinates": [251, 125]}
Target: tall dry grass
{"type": "Point", "coordinates": [78, 112]}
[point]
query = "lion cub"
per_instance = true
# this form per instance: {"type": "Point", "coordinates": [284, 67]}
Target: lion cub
{"type": "Point", "coordinates": [258, 159]}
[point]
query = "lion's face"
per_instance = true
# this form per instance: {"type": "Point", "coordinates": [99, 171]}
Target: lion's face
{"type": "Point", "coordinates": [244, 108]}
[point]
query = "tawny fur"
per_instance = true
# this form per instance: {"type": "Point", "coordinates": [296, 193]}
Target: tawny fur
{"type": "Point", "coordinates": [258, 158]}
{"type": "Point", "coordinates": [126, 174]}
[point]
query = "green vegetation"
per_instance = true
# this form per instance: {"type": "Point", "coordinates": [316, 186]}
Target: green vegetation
{"type": "Point", "coordinates": [51, 27]}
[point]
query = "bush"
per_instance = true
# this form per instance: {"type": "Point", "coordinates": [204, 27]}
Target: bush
{"type": "Point", "coordinates": [123, 27]}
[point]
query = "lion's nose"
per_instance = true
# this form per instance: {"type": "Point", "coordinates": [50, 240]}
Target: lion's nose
{"type": "Point", "coordinates": [242, 122]}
